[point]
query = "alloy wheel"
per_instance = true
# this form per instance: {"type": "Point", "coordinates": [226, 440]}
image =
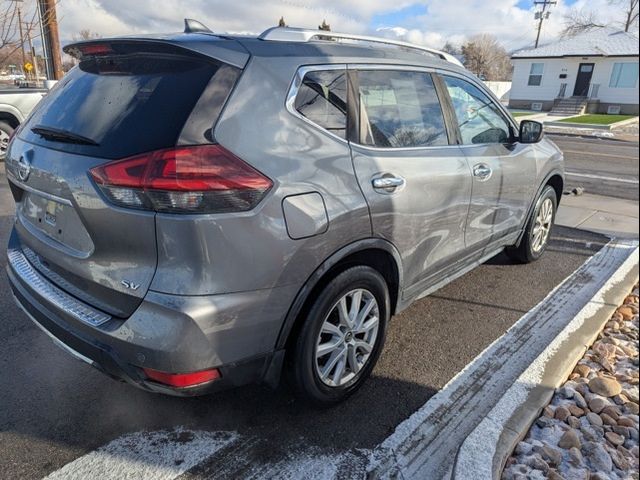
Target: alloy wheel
{"type": "Point", "coordinates": [542, 226]}
{"type": "Point", "coordinates": [347, 338]}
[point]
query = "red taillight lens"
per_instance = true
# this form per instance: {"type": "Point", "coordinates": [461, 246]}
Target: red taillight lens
{"type": "Point", "coordinates": [200, 179]}
{"type": "Point", "coordinates": [96, 49]}
{"type": "Point", "coordinates": [181, 380]}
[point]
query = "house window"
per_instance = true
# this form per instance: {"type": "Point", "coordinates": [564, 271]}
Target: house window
{"type": "Point", "coordinates": [624, 75]}
{"type": "Point", "coordinates": [535, 74]}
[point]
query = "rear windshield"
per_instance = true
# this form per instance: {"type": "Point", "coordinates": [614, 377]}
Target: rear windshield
{"type": "Point", "coordinates": [121, 105]}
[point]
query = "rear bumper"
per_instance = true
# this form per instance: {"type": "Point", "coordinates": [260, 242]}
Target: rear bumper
{"type": "Point", "coordinates": [170, 334]}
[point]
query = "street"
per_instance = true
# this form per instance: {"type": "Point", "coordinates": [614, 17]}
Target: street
{"type": "Point", "coordinates": [600, 166]}
{"type": "Point", "coordinates": [58, 409]}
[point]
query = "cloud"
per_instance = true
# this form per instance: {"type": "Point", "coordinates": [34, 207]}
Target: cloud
{"type": "Point", "coordinates": [441, 21]}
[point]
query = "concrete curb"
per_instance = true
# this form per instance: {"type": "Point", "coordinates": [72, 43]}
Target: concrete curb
{"type": "Point", "coordinates": [586, 126]}
{"type": "Point", "coordinates": [484, 452]}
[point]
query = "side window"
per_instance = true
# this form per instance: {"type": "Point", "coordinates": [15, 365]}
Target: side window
{"type": "Point", "coordinates": [535, 74]}
{"type": "Point", "coordinates": [479, 118]}
{"type": "Point", "coordinates": [322, 98]}
{"type": "Point", "coordinates": [399, 109]}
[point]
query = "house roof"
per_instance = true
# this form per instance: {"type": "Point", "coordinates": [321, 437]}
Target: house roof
{"type": "Point", "coordinates": [601, 42]}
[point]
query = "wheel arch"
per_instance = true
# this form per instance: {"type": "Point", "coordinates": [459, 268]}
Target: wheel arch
{"type": "Point", "coordinates": [555, 179]}
{"type": "Point", "coordinates": [374, 252]}
{"type": "Point", "coordinates": [10, 115]}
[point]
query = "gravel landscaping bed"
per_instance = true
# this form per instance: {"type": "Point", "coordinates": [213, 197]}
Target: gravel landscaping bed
{"type": "Point", "coordinates": [589, 431]}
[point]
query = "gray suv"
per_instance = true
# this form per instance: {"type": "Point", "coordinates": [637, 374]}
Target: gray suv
{"type": "Point", "coordinates": [198, 211]}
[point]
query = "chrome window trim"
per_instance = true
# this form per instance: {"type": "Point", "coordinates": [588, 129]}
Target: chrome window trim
{"type": "Point", "coordinates": [296, 83]}
{"type": "Point", "coordinates": [303, 70]}
{"type": "Point", "coordinates": [52, 294]}
{"type": "Point", "coordinates": [483, 88]}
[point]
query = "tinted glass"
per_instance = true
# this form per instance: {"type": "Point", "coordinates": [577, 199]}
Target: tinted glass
{"type": "Point", "coordinates": [479, 118]}
{"type": "Point", "coordinates": [400, 109]}
{"type": "Point", "coordinates": [322, 98]}
{"type": "Point", "coordinates": [126, 104]}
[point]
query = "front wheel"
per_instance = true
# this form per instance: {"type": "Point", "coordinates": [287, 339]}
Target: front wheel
{"type": "Point", "coordinates": [342, 336]}
{"type": "Point", "coordinates": [538, 230]}
{"type": "Point", "coordinates": [6, 131]}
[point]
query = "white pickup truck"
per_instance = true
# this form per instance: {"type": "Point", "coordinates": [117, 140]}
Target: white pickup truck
{"type": "Point", "coordinates": [15, 105]}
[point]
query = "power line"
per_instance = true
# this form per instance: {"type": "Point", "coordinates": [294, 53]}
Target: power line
{"type": "Point", "coordinates": [542, 15]}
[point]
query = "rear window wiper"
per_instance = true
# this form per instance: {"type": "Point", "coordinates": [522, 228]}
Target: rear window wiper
{"type": "Point", "coordinates": [59, 135]}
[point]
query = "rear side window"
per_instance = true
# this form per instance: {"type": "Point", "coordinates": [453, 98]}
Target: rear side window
{"type": "Point", "coordinates": [400, 109]}
{"type": "Point", "coordinates": [322, 99]}
{"type": "Point", "coordinates": [479, 118]}
{"type": "Point", "coordinates": [122, 104]}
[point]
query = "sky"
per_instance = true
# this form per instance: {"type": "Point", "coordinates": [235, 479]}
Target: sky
{"type": "Point", "coordinates": [427, 22]}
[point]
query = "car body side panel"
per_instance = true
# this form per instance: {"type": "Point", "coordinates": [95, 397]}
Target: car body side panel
{"type": "Point", "coordinates": [253, 250]}
{"type": "Point", "coordinates": [425, 219]}
{"type": "Point", "coordinates": [499, 204]}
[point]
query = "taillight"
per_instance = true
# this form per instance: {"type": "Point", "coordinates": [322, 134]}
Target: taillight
{"type": "Point", "coordinates": [95, 49]}
{"type": "Point", "coordinates": [181, 380]}
{"type": "Point", "coordinates": [198, 179]}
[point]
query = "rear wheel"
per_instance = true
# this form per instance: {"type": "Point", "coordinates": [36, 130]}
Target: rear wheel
{"type": "Point", "coordinates": [6, 131]}
{"type": "Point", "coordinates": [342, 336]}
{"type": "Point", "coordinates": [538, 230]}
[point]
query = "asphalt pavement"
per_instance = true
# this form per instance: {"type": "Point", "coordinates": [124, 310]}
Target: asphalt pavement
{"type": "Point", "coordinates": [600, 166]}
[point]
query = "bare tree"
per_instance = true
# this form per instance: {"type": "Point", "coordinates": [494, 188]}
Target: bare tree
{"type": "Point", "coordinates": [10, 41]}
{"type": "Point", "coordinates": [630, 10]}
{"type": "Point", "coordinates": [486, 57]}
{"type": "Point", "coordinates": [85, 34]}
{"type": "Point", "coordinates": [450, 48]}
{"type": "Point", "coordinates": [580, 21]}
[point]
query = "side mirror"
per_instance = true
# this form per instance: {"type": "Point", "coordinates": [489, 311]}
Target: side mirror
{"type": "Point", "coordinates": [530, 131]}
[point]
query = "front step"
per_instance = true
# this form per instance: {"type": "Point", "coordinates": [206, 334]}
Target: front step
{"type": "Point", "coordinates": [569, 106]}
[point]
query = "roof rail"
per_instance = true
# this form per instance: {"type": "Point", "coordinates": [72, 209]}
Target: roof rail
{"type": "Point", "coordinates": [289, 34]}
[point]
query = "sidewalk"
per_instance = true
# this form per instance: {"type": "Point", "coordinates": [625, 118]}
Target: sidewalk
{"type": "Point", "coordinates": [597, 213]}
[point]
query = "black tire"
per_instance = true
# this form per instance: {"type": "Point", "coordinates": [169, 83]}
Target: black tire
{"type": "Point", "coordinates": [7, 131]}
{"type": "Point", "coordinates": [525, 252]}
{"type": "Point", "coordinates": [302, 359]}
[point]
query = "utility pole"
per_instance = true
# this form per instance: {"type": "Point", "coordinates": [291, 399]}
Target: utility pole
{"type": "Point", "coordinates": [24, 58]}
{"type": "Point", "coordinates": [34, 59]}
{"type": "Point", "coordinates": [542, 15]}
{"type": "Point", "coordinates": [50, 38]}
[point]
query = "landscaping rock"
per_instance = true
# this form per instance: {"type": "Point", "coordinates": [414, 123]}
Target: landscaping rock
{"type": "Point", "coordinates": [596, 404]}
{"type": "Point", "coordinates": [594, 419]}
{"type": "Point", "coordinates": [569, 439]}
{"type": "Point", "coordinates": [605, 386]}
{"type": "Point", "coordinates": [590, 429]}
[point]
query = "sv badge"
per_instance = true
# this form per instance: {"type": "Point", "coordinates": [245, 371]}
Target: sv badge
{"type": "Point", "coordinates": [130, 285]}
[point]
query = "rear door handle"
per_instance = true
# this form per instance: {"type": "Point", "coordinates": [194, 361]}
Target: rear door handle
{"type": "Point", "coordinates": [482, 171]}
{"type": "Point", "coordinates": [388, 184]}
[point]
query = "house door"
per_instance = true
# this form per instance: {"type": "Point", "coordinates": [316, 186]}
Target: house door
{"type": "Point", "coordinates": [585, 72]}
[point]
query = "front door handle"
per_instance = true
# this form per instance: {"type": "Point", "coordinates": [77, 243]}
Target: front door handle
{"type": "Point", "coordinates": [387, 183]}
{"type": "Point", "coordinates": [482, 171]}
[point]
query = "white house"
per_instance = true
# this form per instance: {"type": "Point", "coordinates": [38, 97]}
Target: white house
{"type": "Point", "coordinates": [596, 71]}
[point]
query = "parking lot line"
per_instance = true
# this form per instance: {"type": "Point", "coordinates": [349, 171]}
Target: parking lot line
{"type": "Point", "coordinates": [162, 455]}
{"type": "Point", "coordinates": [603, 177]}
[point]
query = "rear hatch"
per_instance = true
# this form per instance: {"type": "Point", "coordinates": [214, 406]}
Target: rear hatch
{"type": "Point", "coordinates": [125, 98]}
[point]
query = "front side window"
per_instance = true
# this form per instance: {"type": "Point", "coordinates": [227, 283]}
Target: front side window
{"type": "Point", "coordinates": [400, 109]}
{"type": "Point", "coordinates": [322, 99]}
{"type": "Point", "coordinates": [535, 74]}
{"type": "Point", "coordinates": [479, 118]}
{"type": "Point", "coordinates": [624, 75]}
